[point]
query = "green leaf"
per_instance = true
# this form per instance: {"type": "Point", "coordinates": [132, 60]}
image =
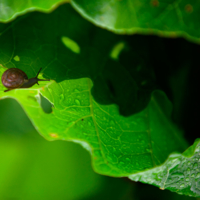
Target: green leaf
{"type": "Point", "coordinates": [169, 18]}
{"type": "Point", "coordinates": [119, 145]}
{"type": "Point", "coordinates": [180, 173]}
{"type": "Point", "coordinates": [10, 9]}
{"type": "Point", "coordinates": [97, 102]}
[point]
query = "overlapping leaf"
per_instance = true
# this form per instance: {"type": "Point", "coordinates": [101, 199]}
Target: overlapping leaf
{"type": "Point", "coordinates": [180, 173]}
{"type": "Point", "coordinates": [170, 19]}
{"type": "Point", "coordinates": [11, 9]}
{"type": "Point", "coordinates": [164, 18]}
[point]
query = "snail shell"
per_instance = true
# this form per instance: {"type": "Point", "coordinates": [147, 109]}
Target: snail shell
{"type": "Point", "coordinates": [13, 78]}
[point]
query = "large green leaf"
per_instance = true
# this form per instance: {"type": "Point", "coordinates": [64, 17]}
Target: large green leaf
{"type": "Point", "coordinates": [10, 9]}
{"type": "Point", "coordinates": [132, 135]}
{"type": "Point", "coordinates": [119, 145]}
{"type": "Point", "coordinates": [163, 18]}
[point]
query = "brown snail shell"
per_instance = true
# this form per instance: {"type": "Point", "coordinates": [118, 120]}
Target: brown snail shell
{"type": "Point", "coordinates": [15, 78]}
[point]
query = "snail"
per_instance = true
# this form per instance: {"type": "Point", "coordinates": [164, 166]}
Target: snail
{"type": "Point", "coordinates": [14, 78]}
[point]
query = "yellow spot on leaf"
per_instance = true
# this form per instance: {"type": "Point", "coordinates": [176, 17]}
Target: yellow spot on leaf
{"type": "Point", "coordinates": [155, 3]}
{"type": "Point", "coordinates": [188, 8]}
{"type": "Point", "coordinates": [2, 66]}
{"type": "Point", "coordinates": [53, 135]}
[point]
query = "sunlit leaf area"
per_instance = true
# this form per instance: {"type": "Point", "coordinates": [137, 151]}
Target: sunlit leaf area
{"type": "Point", "coordinates": [98, 100]}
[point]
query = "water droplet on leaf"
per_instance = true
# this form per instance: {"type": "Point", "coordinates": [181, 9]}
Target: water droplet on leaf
{"type": "Point", "coordinates": [198, 175]}
{"type": "Point", "coordinates": [187, 179]}
{"type": "Point", "coordinates": [61, 97]}
{"type": "Point", "coordinates": [195, 165]}
{"type": "Point", "coordinates": [89, 123]}
{"type": "Point", "coordinates": [148, 150]}
{"type": "Point", "coordinates": [77, 102]}
{"type": "Point", "coordinates": [76, 90]}
{"type": "Point", "coordinates": [112, 123]}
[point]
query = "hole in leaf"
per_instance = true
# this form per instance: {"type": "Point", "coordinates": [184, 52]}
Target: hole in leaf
{"type": "Point", "coordinates": [16, 58]}
{"type": "Point", "coordinates": [71, 44]}
{"type": "Point", "coordinates": [46, 105]}
{"type": "Point", "coordinates": [117, 49]}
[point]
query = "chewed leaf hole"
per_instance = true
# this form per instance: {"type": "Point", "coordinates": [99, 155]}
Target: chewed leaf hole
{"type": "Point", "coordinates": [16, 58]}
{"type": "Point", "coordinates": [117, 49]}
{"type": "Point", "coordinates": [71, 44]}
{"type": "Point", "coordinates": [46, 105]}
